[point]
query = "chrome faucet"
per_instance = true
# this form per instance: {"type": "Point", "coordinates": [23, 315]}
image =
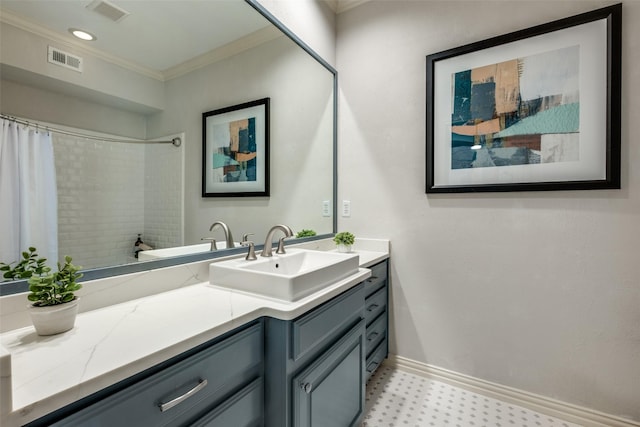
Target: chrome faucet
{"type": "Point", "coordinates": [227, 235]}
{"type": "Point", "coordinates": [267, 250]}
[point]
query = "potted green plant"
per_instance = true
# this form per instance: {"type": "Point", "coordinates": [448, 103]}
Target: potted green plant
{"type": "Point", "coordinates": [54, 304]}
{"type": "Point", "coordinates": [29, 265]}
{"type": "Point", "coordinates": [344, 240]}
{"type": "Point", "coordinates": [305, 233]}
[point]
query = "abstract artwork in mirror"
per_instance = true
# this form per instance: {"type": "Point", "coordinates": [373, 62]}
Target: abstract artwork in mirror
{"type": "Point", "coordinates": [534, 110]}
{"type": "Point", "coordinates": [235, 150]}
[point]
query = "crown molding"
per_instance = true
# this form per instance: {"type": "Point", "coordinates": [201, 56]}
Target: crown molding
{"type": "Point", "coordinates": [245, 43]}
{"type": "Point", "coordinates": [344, 5]}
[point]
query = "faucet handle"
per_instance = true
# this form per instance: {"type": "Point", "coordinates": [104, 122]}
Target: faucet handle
{"type": "Point", "coordinates": [289, 234]}
{"type": "Point", "coordinates": [213, 246]}
{"type": "Point", "coordinates": [251, 255]}
{"type": "Point", "coordinates": [280, 249]}
{"type": "Point", "coordinates": [245, 237]}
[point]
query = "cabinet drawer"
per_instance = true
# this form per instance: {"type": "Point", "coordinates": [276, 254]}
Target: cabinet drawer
{"type": "Point", "coordinates": [326, 321]}
{"type": "Point", "coordinates": [376, 332]}
{"type": "Point", "coordinates": [375, 304]}
{"type": "Point", "coordinates": [225, 365]}
{"type": "Point", "coordinates": [243, 409]}
{"type": "Point", "coordinates": [377, 279]}
{"type": "Point", "coordinates": [376, 358]}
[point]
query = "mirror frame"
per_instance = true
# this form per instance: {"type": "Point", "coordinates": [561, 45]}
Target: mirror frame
{"type": "Point", "coordinates": [20, 286]}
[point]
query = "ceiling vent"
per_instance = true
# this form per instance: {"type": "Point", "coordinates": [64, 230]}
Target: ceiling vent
{"type": "Point", "coordinates": [64, 59]}
{"type": "Point", "coordinates": [108, 10]}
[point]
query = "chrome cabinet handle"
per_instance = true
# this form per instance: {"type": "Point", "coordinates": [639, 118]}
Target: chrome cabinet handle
{"type": "Point", "coordinates": [372, 307]}
{"type": "Point", "coordinates": [170, 404]}
{"type": "Point", "coordinates": [372, 366]}
{"type": "Point", "coordinates": [372, 335]}
{"type": "Point", "coordinates": [306, 387]}
{"type": "Point", "coordinates": [372, 278]}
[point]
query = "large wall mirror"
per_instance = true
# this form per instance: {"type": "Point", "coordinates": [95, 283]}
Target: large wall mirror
{"type": "Point", "coordinates": [154, 69]}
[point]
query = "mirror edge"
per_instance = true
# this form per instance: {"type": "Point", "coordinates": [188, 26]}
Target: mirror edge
{"type": "Point", "coordinates": [297, 40]}
{"type": "Point", "coordinates": [20, 286]}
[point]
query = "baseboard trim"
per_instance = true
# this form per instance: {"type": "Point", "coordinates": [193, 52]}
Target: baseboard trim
{"type": "Point", "coordinates": [555, 408]}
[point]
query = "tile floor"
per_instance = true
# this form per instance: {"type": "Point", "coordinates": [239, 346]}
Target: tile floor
{"type": "Point", "coordinates": [398, 399]}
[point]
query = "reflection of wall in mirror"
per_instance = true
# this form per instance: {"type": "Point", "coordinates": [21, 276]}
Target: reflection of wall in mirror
{"type": "Point", "coordinates": [301, 131]}
{"type": "Point", "coordinates": [301, 136]}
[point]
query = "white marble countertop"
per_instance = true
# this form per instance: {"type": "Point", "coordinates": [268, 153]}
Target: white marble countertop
{"type": "Point", "coordinates": [113, 343]}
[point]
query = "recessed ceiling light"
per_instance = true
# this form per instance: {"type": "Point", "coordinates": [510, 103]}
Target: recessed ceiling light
{"type": "Point", "coordinates": [83, 35]}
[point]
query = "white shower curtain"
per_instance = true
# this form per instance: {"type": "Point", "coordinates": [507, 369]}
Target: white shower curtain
{"type": "Point", "coordinates": [28, 194]}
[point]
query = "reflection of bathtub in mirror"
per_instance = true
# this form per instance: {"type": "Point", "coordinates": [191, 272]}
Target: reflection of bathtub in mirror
{"type": "Point", "coordinates": [179, 250]}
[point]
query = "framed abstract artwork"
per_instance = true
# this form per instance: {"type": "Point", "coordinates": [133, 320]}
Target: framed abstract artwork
{"type": "Point", "coordinates": [537, 109]}
{"type": "Point", "coordinates": [235, 150]}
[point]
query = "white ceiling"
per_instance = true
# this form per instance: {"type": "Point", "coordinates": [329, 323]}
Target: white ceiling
{"type": "Point", "coordinates": [158, 34]}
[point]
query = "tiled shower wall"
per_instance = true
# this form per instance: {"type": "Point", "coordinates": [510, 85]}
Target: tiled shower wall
{"type": "Point", "coordinates": [163, 226]}
{"type": "Point", "coordinates": [103, 201]}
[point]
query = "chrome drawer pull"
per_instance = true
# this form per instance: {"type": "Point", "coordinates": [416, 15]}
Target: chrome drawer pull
{"type": "Point", "coordinates": [170, 404]}
{"type": "Point", "coordinates": [372, 335]}
{"type": "Point", "coordinates": [372, 278]}
{"type": "Point", "coordinates": [372, 366]}
{"type": "Point", "coordinates": [372, 307]}
{"type": "Point", "coordinates": [306, 387]}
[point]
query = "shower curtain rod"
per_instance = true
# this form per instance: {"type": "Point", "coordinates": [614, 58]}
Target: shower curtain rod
{"type": "Point", "coordinates": [175, 141]}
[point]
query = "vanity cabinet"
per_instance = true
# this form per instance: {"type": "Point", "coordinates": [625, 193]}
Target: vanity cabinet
{"type": "Point", "coordinates": [377, 316]}
{"type": "Point", "coordinates": [307, 372]}
{"type": "Point", "coordinates": [219, 385]}
{"type": "Point", "coordinates": [315, 365]}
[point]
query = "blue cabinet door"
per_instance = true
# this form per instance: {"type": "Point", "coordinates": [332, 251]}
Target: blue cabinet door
{"type": "Point", "coordinates": [331, 391]}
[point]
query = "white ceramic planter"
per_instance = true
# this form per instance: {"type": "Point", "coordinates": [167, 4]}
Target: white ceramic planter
{"type": "Point", "coordinates": [54, 319]}
{"type": "Point", "coordinates": [344, 248]}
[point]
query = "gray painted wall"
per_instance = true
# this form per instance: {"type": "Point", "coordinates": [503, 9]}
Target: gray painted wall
{"type": "Point", "coordinates": [537, 291]}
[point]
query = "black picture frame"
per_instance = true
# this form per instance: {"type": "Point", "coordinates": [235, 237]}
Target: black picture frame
{"type": "Point", "coordinates": [235, 150]}
{"type": "Point", "coordinates": [547, 152]}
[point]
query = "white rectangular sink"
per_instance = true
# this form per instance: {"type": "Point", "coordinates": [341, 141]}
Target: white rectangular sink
{"type": "Point", "coordinates": [289, 277]}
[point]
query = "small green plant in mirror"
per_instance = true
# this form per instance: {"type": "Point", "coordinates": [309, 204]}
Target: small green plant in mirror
{"type": "Point", "coordinates": [29, 265]}
{"type": "Point", "coordinates": [305, 233]}
{"type": "Point", "coordinates": [344, 238]}
{"type": "Point", "coordinates": [52, 288]}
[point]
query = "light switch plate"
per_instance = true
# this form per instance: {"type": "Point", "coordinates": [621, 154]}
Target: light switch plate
{"type": "Point", "coordinates": [346, 208]}
{"type": "Point", "coordinates": [326, 208]}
